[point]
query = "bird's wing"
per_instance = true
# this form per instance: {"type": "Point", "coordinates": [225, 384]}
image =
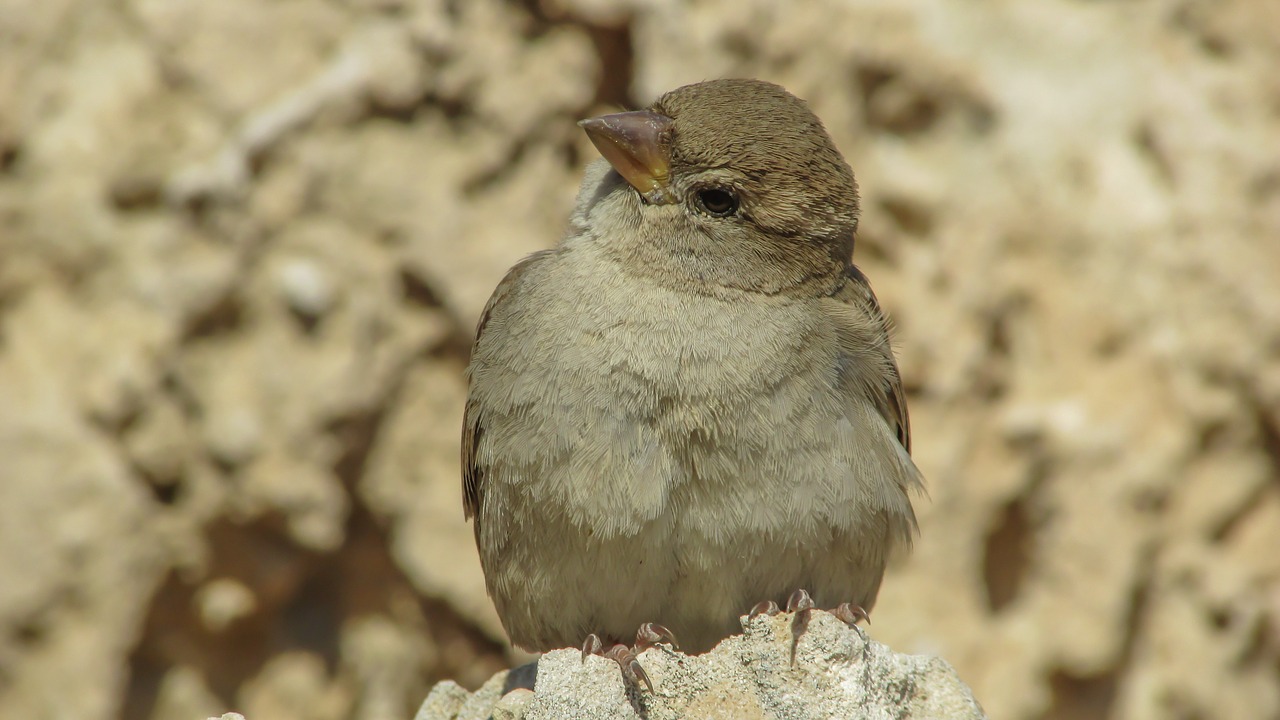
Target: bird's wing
{"type": "Point", "coordinates": [889, 399]}
{"type": "Point", "coordinates": [872, 374]}
{"type": "Point", "coordinates": [472, 421]}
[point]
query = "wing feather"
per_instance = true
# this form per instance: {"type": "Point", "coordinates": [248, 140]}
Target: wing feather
{"type": "Point", "coordinates": [472, 420]}
{"type": "Point", "coordinates": [889, 399]}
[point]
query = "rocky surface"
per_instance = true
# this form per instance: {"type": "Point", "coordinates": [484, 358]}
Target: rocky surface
{"type": "Point", "coordinates": [837, 672]}
{"type": "Point", "coordinates": [243, 245]}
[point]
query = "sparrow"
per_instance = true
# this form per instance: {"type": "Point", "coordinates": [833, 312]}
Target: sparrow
{"type": "Point", "coordinates": [689, 408]}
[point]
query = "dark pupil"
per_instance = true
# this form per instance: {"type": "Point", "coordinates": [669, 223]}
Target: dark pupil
{"type": "Point", "coordinates": [717, 202]}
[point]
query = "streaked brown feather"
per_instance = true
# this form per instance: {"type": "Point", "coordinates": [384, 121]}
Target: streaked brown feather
{"type": "Point", "coordinates": [472, 422]}
{"type": "Point", "coordinates": [891, 401]}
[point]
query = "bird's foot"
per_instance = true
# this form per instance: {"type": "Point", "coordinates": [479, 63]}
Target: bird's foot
{"type": "Point", "coordinates": [631, 668]}
{"type": "Point", "coordinates": [802, 606]}
{"type": "Point", "coordinates": [648, 636]}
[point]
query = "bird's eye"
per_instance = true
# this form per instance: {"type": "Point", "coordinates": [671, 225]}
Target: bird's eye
{"type": "Point", "coordinates": [717, 202]}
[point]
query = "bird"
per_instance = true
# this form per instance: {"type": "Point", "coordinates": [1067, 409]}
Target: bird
{"type": "Point", "coordinates": [689, 408]}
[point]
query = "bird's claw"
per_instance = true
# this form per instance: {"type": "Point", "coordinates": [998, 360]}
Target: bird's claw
{"type": "Point", "coordinates": [648, 636]}
{"type": "Point", "coordinates": [631, 668]}
{"type": "Point", "coordinates": [851, 614]}
{"type": "Point", "coordinates": [592, 646]}
{"type": "Point", "coordinates": [801, 605]}
{"type": "Point", "coordinates": [767, 607]}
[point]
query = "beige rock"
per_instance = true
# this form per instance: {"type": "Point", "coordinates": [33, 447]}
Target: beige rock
{"type": "Point", "coordinates": [183, 693]}
{"type": "Point", "coordinates": [291, 687]}
{"type": "Point", "coordinates": [837, 672]}
{"type": "Point", "coordinates": [222, 601]}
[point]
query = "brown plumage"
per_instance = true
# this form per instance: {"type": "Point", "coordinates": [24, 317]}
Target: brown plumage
{"type": "Point", "coordinates": [690, 404]}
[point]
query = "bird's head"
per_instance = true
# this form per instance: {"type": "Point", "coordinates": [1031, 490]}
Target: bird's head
{"type": "Point", "coordinates": [734, 181]}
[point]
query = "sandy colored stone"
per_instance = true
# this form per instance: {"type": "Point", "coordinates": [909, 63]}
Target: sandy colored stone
{"type": "Point", "coordinates": [837, 672]}
{"type": "Point", "coordinates": [292, 686]}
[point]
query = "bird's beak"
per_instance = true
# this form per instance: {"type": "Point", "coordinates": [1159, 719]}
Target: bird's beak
{"type": "Point", "coordinates": [637, 145]}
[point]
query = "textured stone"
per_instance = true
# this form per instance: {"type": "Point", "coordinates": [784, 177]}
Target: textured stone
{"type": "Point", "coordinates": [836, 672]}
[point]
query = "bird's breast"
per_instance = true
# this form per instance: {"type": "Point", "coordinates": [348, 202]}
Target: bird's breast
{"type": "Point", "coordinates": [688, 358]}
{"type": "Point", "coordinates": [650, 395]}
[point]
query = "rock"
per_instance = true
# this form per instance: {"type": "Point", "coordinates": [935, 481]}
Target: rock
{"type": "Point", "coordinates": [837, 672]}
{"type": "Point", "coordinates": [306, 288]}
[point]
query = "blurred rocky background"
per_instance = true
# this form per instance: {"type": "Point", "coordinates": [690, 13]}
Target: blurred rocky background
{"type": "Point", "coordinates": [243, 245]}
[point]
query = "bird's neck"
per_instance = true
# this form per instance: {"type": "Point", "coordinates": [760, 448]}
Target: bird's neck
{"type": "Point", "coordinates": [700, 264]}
